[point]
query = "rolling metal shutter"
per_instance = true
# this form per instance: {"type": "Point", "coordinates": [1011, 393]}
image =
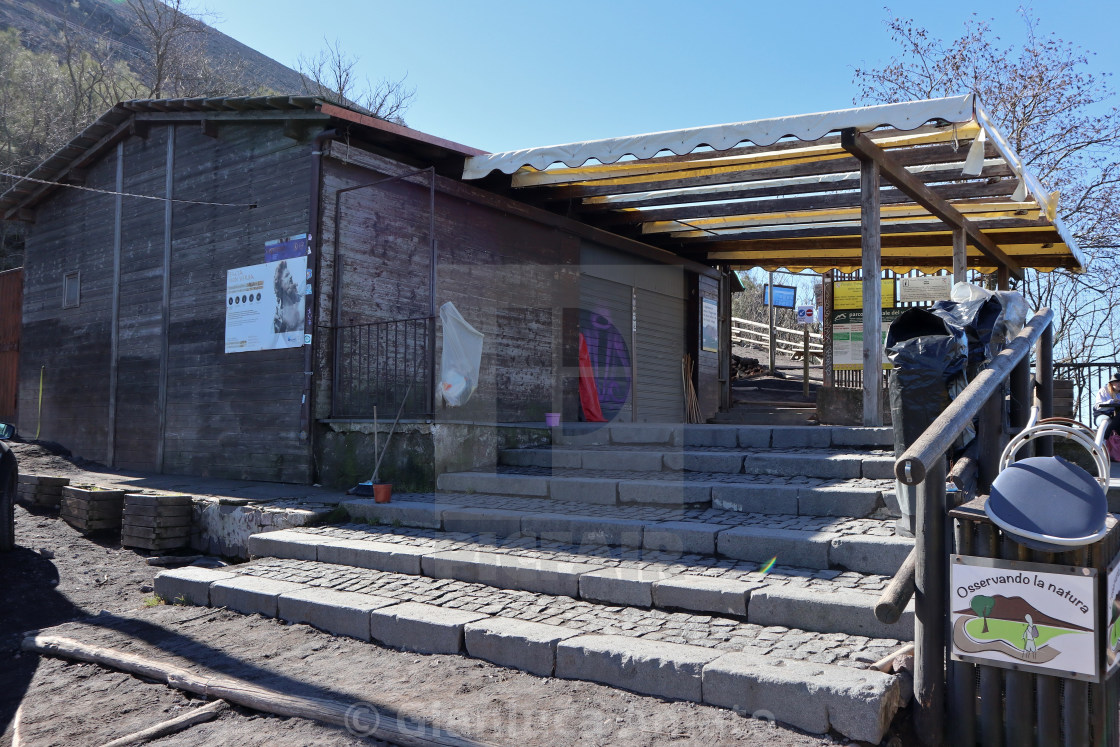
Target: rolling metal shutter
{"type": "Point", "coordinates": [659, 338]}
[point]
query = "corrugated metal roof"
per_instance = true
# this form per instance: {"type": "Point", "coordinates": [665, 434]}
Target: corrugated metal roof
{"type": "Point", "coordinates": [116, 123]}
{"type": "Point", "coordinates": [785, 192]}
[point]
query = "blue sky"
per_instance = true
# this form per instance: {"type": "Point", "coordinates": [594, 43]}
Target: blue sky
{"type": "Point", "coordinates": [506, 75]}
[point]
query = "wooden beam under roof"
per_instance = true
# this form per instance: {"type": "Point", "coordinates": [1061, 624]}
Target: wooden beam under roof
{"type": "Point", "coordinates": [941, 238]}
{"type": "Point", "coordinates": [633, 216]}
{"type": "Point", "coordinates": [1041, 262]}
{"type": "Point", "coordinates": [766, 154]}
{"type": "Point", "coordinates": [702, 174]}
{"type": "Point", "coordinates": [862, 147]}
{"type": "Point", "coordinates": [905, 211]}
{"type": "Point", "coordinates": [777, 187]}
{"type": "Point", "coordinates": [840, 231]}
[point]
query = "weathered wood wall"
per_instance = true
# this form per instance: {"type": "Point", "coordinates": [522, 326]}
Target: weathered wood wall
{"type": "Point", "coordinates": [507, 275]}
{"type": "Point", "coordinates": [233, 415]}
{"type": "Point", "coordinates": [11, 303]}
{"type": "Point", "coordinates": [510, 269]}
{"type": "Point", "coordinates": [67, 349]}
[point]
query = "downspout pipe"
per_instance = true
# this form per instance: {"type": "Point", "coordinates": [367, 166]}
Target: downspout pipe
{"type": "Point", "coordinates": [314, 246]}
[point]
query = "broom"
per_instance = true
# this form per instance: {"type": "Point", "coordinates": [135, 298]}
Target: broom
{"type": "Point", "coordinates": [366, 488]}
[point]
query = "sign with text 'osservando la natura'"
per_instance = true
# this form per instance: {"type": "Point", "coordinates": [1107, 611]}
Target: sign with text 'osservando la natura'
{"type": "Point", "coordinates": [1031, 617]}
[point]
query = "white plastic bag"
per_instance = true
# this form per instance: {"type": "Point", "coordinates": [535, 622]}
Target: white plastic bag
{"type": "Point", "coordinates": [968, 292]}
{"type": "Point", "coordinates": [462, 356]}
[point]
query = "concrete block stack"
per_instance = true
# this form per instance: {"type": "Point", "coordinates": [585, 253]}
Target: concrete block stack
{"type": "Point", "coordinates": [41, 490]}
{"type": "Point", "coordinates": [89, 508]}
{"type": "Point", "coordinates": [156, 522]}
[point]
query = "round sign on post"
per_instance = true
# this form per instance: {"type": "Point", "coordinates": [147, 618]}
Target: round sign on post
{"type": "Point", "coordinates": [806, 314]}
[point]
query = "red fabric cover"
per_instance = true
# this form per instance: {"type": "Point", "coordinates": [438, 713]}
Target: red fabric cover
{"type": "Point", "coordinates": [1113, 446]}
{"type": "Point", "coordinates": [588, 394]}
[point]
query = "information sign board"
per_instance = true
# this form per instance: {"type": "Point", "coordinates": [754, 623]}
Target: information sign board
{"type": "Point", "coordinates": [1033, 617]}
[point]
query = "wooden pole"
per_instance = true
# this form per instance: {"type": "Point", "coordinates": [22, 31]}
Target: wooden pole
{"type": "Point", "coordinates": [370, 721]}
{"type": "Point", "coordinates": [1049, 727]}
{"type": "Point", "coordinates": [872, 292]}
{"type": "Point", "coordinates": [962, 675]}
{"type": "Point", "coordinates": [1044, 373]}
{"type": "Point", "coordinates": [960, 256]}
{"type": "Point", "coordinates": [991, 678]}
{"type": "Point", "coordinates": [894, 598]}
{"type": "Point", "coordinates": [990, 435]}
{"type": "Point", "coordinates": [1003, 276]}
{"type": "Point", "coordinates": [826, 328]}
{"type": "Point", "coordinates": [805, 361]}
{"type": "Point", "coordinates": [770, 313]}
{"type": "Point", "coordinates": [1018, 700]}
{"type": "Point", "coordinates": [208, 712]}
{"type": "Point", "coordinates": [930, 606]}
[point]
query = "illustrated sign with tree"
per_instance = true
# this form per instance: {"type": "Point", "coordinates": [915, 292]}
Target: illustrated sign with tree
{"type": "Point", "coordinates": [982, 606]}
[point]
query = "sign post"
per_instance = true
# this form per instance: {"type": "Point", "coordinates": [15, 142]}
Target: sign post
{"type": "Point", "coordinates": [805, 315]}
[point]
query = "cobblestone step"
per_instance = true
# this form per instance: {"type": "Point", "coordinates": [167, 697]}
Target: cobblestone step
{"type": "Point", "coordinates": [819, 600]}
{"type": "Point", "coordinates": [770, 493]}
{"type": "Point", "coordinates": [865, 545]}
{"type": "Point", "coordinates": [824, 463]}
{"type": "Point", "coordinates": [814, 681]}
{"type": "Point", "coordinates": [746, 436]}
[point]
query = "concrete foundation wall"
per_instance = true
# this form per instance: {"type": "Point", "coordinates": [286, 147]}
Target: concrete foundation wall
{"type": "Point", "coordinates": [418, 452]}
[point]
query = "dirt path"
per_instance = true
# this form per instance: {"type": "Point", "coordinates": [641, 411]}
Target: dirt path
{"type": "Point", "coordinates": [97, 592]}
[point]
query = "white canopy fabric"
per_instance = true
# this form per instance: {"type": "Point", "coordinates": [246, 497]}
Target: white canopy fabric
{"type": "Point", "coordinates": [905, 116]}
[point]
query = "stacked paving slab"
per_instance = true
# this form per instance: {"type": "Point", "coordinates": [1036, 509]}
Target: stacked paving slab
{"type": "Point", "coordinates": [736, 566]}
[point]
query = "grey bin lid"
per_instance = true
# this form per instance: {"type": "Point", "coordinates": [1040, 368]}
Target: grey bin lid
{"type": "Point", "coordinates": [1047, 503]}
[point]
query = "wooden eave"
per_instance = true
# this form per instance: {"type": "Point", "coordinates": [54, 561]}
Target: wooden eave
{"type": "Point", "coordinates": [130, 117]}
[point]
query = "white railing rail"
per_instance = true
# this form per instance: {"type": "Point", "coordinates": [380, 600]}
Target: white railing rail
{"type": "Point", "coordinates": [787, 341]}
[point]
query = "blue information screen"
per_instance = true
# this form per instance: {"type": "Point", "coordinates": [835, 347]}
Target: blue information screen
{"type": "Point", "coordinates": [785, 296]}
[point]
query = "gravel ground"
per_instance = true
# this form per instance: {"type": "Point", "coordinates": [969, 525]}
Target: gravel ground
{"type": "Point", "coordinates": [98, 593]}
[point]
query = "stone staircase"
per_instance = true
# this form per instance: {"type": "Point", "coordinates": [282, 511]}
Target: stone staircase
{"type": "Point", "coordinates": [736, 566]}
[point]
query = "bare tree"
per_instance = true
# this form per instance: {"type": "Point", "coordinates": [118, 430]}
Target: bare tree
{"type": "Point", "coordinates": [1060, 118]}
{"type": "Point", "coordinates": [177, 64]}
{"type": "Point", "coordinates": [332, 75]}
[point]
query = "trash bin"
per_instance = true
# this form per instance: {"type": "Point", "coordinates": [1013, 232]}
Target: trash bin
{"type": "Point", "coordinates": [929, 354]}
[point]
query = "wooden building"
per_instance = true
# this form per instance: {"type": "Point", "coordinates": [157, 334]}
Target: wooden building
{"type": "Point", "coordinates": [170, 240]}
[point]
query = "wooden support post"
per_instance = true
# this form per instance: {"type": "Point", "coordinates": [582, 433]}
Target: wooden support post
{"type": "Point", "coordinates": [770, 316]}
{"type": "Point", "coordinates": [1018, 700]}
{"type": "Point", "coordinates": [990, 435]}
{"type": "Point", "coordinates": [724, 339]}
{"type": "Point", "coordinates": [962, 675]}
{"type": "Point", "coordinates": [872, 292]}
{"type": "Point", "coordinates": [1044, 375]}
{"type": "Point", "coordinates": [960, 256]}
{"type": "Point", "coordinates": [1003, 277]}
{"type": "Point", "coordinates": [1075, 700]}
{"type": "Point", "coordinates": [1049, 728]}
{"type": "Point", "coordinates": [826, 329]}
{"type": "Point", "coordinates": [1020, 403]}
{"type": "Point", "coordinates": [805, 361]}
{"type": "Point", "coordinates": [165, 293]}
{"type": "Point", "coordinates": [930, 606]}
{"type": "Point", "coordinates": [991, 679]}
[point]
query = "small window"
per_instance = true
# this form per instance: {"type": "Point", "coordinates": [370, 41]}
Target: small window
{"type": "Point", "coordinates": [71, 289]}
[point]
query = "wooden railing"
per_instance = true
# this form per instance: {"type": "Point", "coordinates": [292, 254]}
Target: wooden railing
{"type": "Point", "coordinates": [789, 342]}
{"type": "Point", "coordinates": [925, 574]}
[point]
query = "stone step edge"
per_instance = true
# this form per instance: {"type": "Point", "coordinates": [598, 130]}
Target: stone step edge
{"type": "Point", "coordinates": [727, 434]}
{"type": "Point", "coordinates": [799, 548]}
{"type": "Point", "coordinates": [783, 499]}
{"type": "Point", "coordinates": [842, 465]}
{"type": "Point", "coordinates": [858, 703]}
{"type": "Point", "coordinates": [839, 611]}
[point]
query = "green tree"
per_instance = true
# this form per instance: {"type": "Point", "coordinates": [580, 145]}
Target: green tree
{"type": "Point", "coordinates": [1062, 121]}
{"type": "Point", "coordinates": [982, 606]}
